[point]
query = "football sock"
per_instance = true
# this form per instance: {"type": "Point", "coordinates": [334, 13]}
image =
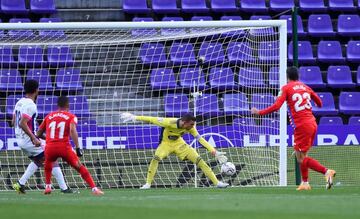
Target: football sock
{"type": "Point", "coordinates": [48, 168]}
{"type": "Point", "coordinates": [152, 171]}
{"type": "Point", "coordinates": [304, 170]}
{"type": "Point", "coordinates": [208, 172]}
{"type": "Point", "coordinates": [315, 165]}
{"type": "Point", "coordinates": [86, 176]}
{"type": "Point", "coordinates": [56, 171]}
{"type": "Point", "coordinates": [30, 170]}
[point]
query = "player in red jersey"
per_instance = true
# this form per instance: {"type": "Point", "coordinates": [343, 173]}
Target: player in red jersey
{"type": "Point", "coordinates": [298, 97]}
{"type": "Point", "coordinates": [59, 126]}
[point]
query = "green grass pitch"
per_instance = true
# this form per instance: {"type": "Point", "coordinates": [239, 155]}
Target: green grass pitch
{"type": "Point", "coordinates": [248, 203]}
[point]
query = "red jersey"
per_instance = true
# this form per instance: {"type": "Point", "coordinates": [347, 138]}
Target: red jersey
{"type": "Point", "coordinates": [298, 97]}
{"type": "Point", "coordinates": [57, 126]}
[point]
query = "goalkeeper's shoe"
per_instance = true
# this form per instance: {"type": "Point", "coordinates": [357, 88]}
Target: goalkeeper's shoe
{"type": "Point", "coordinates": [222, 184]}
{"type": "Point", "coordinates": [19, 188]}
{"type": "Point", "coordinates": [304, 186]}
{"type": "Point", "coordinates": [146, 186]}
{"type": "Point", "coordinates": [68, 191]}
{"type": "Point", "coordinates": [97, 192]}
{"type": "Point", "coordinates": [329, 176]}
{"type": "Point", "coordinates": [47, 190]}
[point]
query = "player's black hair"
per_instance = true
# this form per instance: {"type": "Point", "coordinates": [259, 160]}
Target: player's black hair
{"type": "Point", "coordinates": [188, 117]}
{"type": "Point", "coordinates": [63, 101]}
{"type": "Point", "coordinates": [31, 86]}
{"type": "Point", "coordinates": [292, 73]}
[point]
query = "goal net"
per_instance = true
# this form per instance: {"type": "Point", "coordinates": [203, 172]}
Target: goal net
{"type": "Point", "coordinates": [215, 70]}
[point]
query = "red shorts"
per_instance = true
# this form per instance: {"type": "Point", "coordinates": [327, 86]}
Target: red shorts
{"type": "Point", "coordinates": [304, 136]}
{"type": "Point", "coordinates": [66, 153]}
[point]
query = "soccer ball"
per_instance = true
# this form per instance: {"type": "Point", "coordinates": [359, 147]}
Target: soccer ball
{"type": "Point", "coordinates": [228, 169]}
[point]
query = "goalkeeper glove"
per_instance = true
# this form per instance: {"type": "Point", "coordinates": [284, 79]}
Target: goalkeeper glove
{"type": "Point", "coordinates": [79, 152]}
{"type": "Point", "coordinates": [128, 117]}
{"type": "Point", "coordinates": [220, 157]}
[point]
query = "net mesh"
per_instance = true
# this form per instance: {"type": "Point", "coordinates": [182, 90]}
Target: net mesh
{"type": "Point", "coordinates": [216, 73]}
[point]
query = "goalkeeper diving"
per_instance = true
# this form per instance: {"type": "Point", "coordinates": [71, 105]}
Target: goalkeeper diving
{"type": "Point", "coordinates": [171, 141]}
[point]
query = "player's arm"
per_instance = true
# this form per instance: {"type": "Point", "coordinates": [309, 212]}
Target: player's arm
{"type": "Point", "coordinates": [13, 120]}
{"type": "Point", "coordinates": [163, 122]}
{"type": "Point", "coordinates": [23, 124]}
{"type": "Point", "coordinates": [75, 137]}
{"type": "Point", "coordinates": [220, 156]}
{"type": "Point", "coordinates": [275, 107]}
{"type": "Point", "coordinates": [316, 98]}
{"type": "Point", "coordinates": [41, 130]}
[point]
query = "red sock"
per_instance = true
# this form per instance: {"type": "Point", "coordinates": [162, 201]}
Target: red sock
{"type": "Point", "coordinates": [315, 165]}
{"type": "Point", "coordinates": [86, 176]}
{"type": "Point", "coordinates": [304, 170]}
{"type": "Point", "coordinates": [48, 169]}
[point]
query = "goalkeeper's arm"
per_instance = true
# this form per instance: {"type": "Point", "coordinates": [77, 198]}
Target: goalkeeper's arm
{"type": "Point", "coordinates": [163, 122]}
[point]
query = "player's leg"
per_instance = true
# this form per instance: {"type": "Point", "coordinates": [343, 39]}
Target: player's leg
{"type": "Point", "coordinates": [70, 157]}
{"type": "Point", "coordinates": [50, 157]}
{"type": "Point", "coordinates": [186, 152]}
{"type": "Point", "coordinates": [59, 176]}
{"type": "Point", "coordinates": [300, 156]}
{"type": "Point", "coordinates": [161, 152]}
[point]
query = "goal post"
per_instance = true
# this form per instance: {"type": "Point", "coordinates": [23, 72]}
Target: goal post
{"type": "Point", "coordinates": [107, 68]}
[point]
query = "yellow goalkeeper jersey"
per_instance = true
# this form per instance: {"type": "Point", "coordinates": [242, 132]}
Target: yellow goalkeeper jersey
{"type": "Point", "coordinates": [172, 133]}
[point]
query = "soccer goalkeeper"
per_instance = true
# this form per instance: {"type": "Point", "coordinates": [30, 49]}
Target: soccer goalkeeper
{"type": "Point", "coordinates": [171, 141]}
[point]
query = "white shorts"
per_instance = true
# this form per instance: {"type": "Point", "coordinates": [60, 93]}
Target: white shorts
{"type": "Point", "coordinates": [29, 149]}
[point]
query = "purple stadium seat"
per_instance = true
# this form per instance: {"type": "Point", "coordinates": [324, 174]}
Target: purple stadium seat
{"type": "Point", "coordinates": [238, 52]}
{"type": "Point", "coordinates": [331, 120]}
{"type": "Point", "coordinates": [176, 105]}
{"type": "Point", "coordinates": [328, 107]}
{"type": "Point", "coordinates": [135, 6]}
{"type": "Point", "coordinates": [305, 52]}
{"type": "Point", "coordinates": [212, 53]}
{"type": "Point", "coordinates": [207, 105]}
{"type": "Point", "coordinates": [153, 54]}
{"type": "Point", "coordinates": [349, 103]}
{"type": "Point", "coordinates": [13, 7]}
{"type": "Point", "coordinates": [79, 106]}
{"type": "Point", "coordinates": [223, 6]}
{"type": "Point", "coordinates": [46, 104]}
{"type": "Point", "coordinates": [353, 51]}
{"type": "Point", "coordinates": [20, 33]}
{"type": "Point", "coordinates": [194, 6]}
{"type": "Point", "coordinates": [6, 57]}
{"type": "Point", "coordinates": [263, 31]}
{"type": "Point", "coordinates": [342, 5]}
{"type": "Point", "coordinates": [173, 31]}
{"type": "Point", "coordinates": [189, 76]}
{"type": "Point", "coordinates": [281, 5]}
{"type": "Point", "coordinates": [42, 76]}
{"type": "Point", "coordinates": [311, 76]}
{"type": "Point", "coordinates": [288, 18]}
{"type": "Point", "coordinates": [330, 52]}
{"type": "Point", "coordinates": [222, 79]}
{"type": "Point", "coordinates": [31, 56]}
{"type": "Point", "coordinates": [236, 104]}
{"type": "Point", "coordinates": [354, 120]}
{"type": "Point", "coordinates": [340, 77]}
{"type": "Point", "coordinates": [348, 25]}
{"type": "Point", "coordinates": [358, 76]}
{"type": "Point", "coordinates": [165, 6]}
{"type": "Point", "coordinates": [269, 51]}
{"type": "Point", "coordinates": [312, 5]}
{"type": "Point", "coordinates": [244, 122]}
{"type": "Point", "coordinates": [320, 25]}
{"type": "Point", "coordinates": [162, 79]}
{"type": "Point", "coordinates": [42, 6]}
{"type": "Point", "coordinates": [182, 54]}
{"type": "Point", "coordinates": [60, 56]}
{"type": "Point", "coordinates": [10, 80]}
{"type": "Point", "coordinates": [143, 32]}
{"type": "Point", "coordinates": [274, 76]}
{"type": "Point", "coordinates": [68, 79]}
{"type": "Point", "coordinates": [251, 77]}
{"type": "Point", "coordinates": [232, 34]}
{"type": "Point", "coordinates": [10, 104]}
{"type": "Point", "coordinates": [51, 33]}
{"type": "Point", "coordinates": [253, 6]}
{"type": "Point", "coordinates": [261, 100]}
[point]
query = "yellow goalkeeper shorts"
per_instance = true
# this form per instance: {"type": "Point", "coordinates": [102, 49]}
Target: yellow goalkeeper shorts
{"type": "Point", "coordinates": [182, 151]}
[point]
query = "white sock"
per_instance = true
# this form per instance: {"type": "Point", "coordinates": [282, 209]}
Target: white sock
{"type": "Point", "coordinates": [56, 172]}
{"type": "Point", "coordinates": [30, 170]}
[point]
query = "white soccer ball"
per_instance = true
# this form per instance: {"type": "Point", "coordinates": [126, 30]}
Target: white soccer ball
{"type": "Point", "coordinates": [228, 169]}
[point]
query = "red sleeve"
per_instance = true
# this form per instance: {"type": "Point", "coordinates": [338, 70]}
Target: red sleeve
{"type": "Point", "coordinates": [43, 124]}
{"type": "Point", "coordinates": [316, 99]}
{"type": "Point", "coordinates": [277, 105]}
